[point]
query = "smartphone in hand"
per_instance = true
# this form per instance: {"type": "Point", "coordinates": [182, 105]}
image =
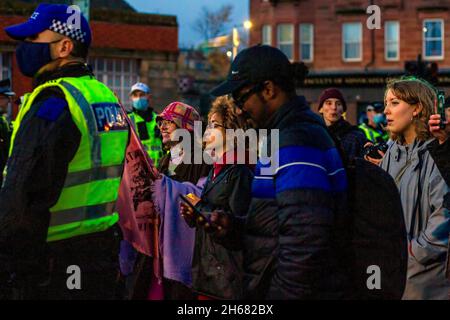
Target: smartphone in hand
{"type": "Point", "coordinates": [197, 213]}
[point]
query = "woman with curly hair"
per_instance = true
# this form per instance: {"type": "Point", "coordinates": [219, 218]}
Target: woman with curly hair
{"type": "Point", "coordinates": [409, 103]}
{"type": "Point", "coordinates": [216, 270]}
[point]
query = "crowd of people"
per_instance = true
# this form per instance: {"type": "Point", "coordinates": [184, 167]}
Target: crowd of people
{"type": "Point", "coordinates": [227, 230]}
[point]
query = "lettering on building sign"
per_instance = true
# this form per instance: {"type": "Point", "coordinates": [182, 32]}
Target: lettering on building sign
{"type": "Point", "coordinates": [351, 80]}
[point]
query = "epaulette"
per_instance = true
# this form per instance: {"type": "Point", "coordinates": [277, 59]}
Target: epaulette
{"type": "Point", "coordinates": [51, 108]}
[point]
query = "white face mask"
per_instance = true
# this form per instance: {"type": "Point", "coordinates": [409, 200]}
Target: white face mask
{"type": "Point", "coordinates": [176, 154]}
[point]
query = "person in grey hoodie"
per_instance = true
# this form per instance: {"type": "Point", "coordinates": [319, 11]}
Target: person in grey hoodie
{"type": "Point", "coordinates": [409, 104]}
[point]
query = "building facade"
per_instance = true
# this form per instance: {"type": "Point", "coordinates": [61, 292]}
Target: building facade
{"type": "Point", "coordinates": [127, 47]}
{"type": "Point", "coordinates": [345, 46]}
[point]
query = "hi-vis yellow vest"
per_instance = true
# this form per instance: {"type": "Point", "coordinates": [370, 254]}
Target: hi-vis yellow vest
{"type": "Point", "coordinates": [152, 144]}
{"type": "Point", "coordinates": [87, 201]}
{"type": "Point", "coordinates": [372, 134]}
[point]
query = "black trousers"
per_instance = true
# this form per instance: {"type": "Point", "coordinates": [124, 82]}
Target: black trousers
{"type": "Point", "coordinates": [96, 258]}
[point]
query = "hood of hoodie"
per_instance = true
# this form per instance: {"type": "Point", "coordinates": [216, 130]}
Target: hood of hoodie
{"type": "Point", "coordinates": [411, 154]}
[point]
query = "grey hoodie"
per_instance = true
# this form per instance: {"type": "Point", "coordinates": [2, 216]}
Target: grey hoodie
{"type": "Point", "coordinates": [422, 189]}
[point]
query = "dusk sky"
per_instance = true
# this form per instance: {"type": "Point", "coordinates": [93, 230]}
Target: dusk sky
{"type": "Point", "coordinates": [187, 11]}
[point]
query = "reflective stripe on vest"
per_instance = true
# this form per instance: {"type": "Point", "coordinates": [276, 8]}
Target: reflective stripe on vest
{"type": "Point", "coordinates": [87, 201]}
{"type": "Point", "coordinates": [370, 133]}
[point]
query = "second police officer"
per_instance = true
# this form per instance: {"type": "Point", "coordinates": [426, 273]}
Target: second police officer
{"type": "Point", "coordinates": [144, 119]}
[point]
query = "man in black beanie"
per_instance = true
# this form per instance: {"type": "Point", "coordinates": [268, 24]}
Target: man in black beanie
{"type": "Point", "coordinates": [332, 106]}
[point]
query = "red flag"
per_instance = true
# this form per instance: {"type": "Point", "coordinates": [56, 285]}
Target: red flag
{"type": "Point", "coordinates": [138, 218]}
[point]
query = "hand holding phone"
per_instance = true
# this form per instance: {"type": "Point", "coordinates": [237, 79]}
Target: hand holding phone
{"type": "Point", "coordinates": [193, 214]}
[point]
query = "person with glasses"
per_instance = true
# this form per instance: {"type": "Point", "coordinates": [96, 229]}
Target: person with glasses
{"type": "Point", "coordinates": [288, 238]}
{"type": "Point", "coordinates": [332, 106]}
{"type": "Point", "coordinates": [217, 270]}
{"type": "Point", "coordinates": [178, 174]}
{"type": "Point", "coordinates": [178, 115]}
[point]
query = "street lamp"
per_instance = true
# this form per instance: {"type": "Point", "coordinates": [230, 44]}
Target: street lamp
{"type": "Point", "coordinates": [235, 36]}
{"type": "Point", "coordinates": [248, 24]}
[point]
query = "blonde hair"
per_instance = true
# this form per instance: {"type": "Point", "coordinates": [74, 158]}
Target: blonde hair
{"type": "Point", "coordinates": [415, 92]}
{"type": "Point", "coordinates": [225, 107]}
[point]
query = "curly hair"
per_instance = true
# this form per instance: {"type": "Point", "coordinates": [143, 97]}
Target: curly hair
{"type": "Point", "coordinates": [415, 91]}
{"type": "Point", "coordinates": [225, 107]}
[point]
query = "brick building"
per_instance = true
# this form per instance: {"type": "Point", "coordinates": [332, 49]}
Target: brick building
{"type": "Point", "coordinates": [332, 38]}
{"type": "Point", "coordinates": [127, 47]}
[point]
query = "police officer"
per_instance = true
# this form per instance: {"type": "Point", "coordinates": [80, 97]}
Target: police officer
{"type": "Point", "coordinates": [144, 119]}
{"type": "Point", "coordinates": [373, 127]}
{"type": "Point", "coordinates": [58, 225]}
{"type": "Point", "coordinates": [5, 129]}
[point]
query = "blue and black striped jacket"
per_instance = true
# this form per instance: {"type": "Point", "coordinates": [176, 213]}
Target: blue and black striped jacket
{"type": "Point", "coordinates": [289, 239]}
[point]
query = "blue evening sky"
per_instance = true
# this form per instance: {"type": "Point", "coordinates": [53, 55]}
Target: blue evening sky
{"type": "Point", "coordinates": [187, 11]}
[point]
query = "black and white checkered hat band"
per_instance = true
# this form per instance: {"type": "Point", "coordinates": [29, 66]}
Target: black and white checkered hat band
{"type": "Point", "coordinates": [67, 30]}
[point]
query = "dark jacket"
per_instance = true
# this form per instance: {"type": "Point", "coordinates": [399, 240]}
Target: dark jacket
{"type": "Point", "coordinates": [441, 156]}
{"type": "Point", "coordinates": [289, 232]}
{"type": "Point", "coordinates": [216, 271]}
{"type": "Point", "coordinates": [351, 138]}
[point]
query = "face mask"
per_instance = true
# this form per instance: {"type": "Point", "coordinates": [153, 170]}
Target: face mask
{"type": "Point", "coordinates": [32, 56]}
{"type": "Point", "coordinates": [378, 118]}
{"type": "Point", "coordinates": [140, 104]}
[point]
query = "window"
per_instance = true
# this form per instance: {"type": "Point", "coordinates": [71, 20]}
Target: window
{"type": "Point", "coordinates": [433, 39]}
{"type": "Point", "coordinates": [391, 40]}
{"type": "Point", "coordinates": [306, 42]}
{"type": "Point", "coordinates": [5, 66]}
{"type": "Point", "coordinates": [266, 35]}
{"type": "Point", "coordinates": [118, 74]}
{"type": "Point", "coordinates": [286, 39]}
{"type": "Point", "coordinates": [352, 41]}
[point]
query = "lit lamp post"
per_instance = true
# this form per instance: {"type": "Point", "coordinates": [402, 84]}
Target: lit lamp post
{"type": "Point", "coordinates": [236, 39]}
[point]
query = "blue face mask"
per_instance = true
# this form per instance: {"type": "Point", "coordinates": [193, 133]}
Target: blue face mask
{"type": "Point", "coordinates": [141, 104]}
{"type": "Point", "coordinates": [32, 56]}
{"type": "Point", "coordinates": [378, 118]}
